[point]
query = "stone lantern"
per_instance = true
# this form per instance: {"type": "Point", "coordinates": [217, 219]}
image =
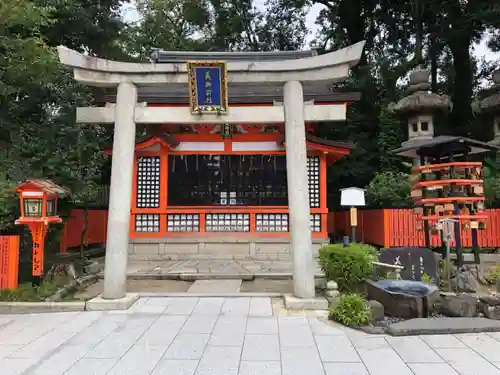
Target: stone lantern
{"type": "Point", "coordinates": [490, 107]}
{"type": "Point", "coordinates": [419, 107]}
{"type": "Point", "coordinates": [38, 200]}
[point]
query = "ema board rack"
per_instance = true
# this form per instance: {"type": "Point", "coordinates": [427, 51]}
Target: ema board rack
{"type": "Point", "coordinates": [451, 190]}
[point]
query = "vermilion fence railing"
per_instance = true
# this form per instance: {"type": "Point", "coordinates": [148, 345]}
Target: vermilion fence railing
{"type": "Point", "coordinates": [399, 227]}
{"type": "Point", "coordinates": [96, 230]}
{"type": "Point", "coordinates": [383, 227]}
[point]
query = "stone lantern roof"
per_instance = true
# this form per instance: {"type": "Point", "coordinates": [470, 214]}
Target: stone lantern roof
{"type": "Point", "coordinates": [491, 103]}
{"type": "Point", "coordinates": [490, 106]}
{"type": "Point", "coordinates": [419, 99]}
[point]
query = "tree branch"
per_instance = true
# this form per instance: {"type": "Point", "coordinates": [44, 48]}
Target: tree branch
{"type": "Point", "coordinates": [326, 3]}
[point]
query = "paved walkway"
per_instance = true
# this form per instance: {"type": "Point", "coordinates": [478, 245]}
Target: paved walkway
{"type": "Point", "coordinates": [238, 336]}
{"type": "Point", "coordinates": [232, 267]}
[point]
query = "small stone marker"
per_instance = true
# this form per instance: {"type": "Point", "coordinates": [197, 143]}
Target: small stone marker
{"type": "Point", "coordinates": [415, 260]}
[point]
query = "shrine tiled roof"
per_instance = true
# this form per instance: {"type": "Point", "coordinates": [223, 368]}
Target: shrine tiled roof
{"type": "Point", "coordinates": [159, 56]}
{"type": "Point", "coordinates": [238, 94]}
{"type": "Point", "coordinates": [327, 142]}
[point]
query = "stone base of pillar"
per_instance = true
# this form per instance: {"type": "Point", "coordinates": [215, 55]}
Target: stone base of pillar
{"type": "Point", "coordinates": [294, 303]}
{"type": "Point", "coordinates": [100, 304]}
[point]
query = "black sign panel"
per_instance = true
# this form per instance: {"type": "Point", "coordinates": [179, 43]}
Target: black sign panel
{"type": "Point", "coordinates": [416, 260]}
{"type": "Point", "coordinates": [232, 180]}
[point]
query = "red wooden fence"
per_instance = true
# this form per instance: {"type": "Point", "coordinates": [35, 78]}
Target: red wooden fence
{"type": "Point", "coordinates": [383, 227]}
{"type": "Point", "coordinates": [390, 228]}
{"type": "Point", "coordinates": [96, 231]}
{"type": "Point", "coordinates": [9, 262]}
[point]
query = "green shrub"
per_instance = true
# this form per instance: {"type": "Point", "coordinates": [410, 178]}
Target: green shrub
{"type": "Point", "coordinates": [493, 276]}
{"type": "Point", "coordinates": [426, 278]}
{"type": "Point", "coordinates": [351, 310]}
{"type": "Point", "coordinates": [348, 266]}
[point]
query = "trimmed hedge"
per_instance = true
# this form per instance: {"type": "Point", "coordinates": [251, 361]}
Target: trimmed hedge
{"type": "Point", "coordinates": [349, 266]}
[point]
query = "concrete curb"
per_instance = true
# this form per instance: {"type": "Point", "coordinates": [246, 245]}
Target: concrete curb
{"type": "Point", "coordinates": [212, 295]}
{"type": "Point", "coordinates": [40, 307]}
{"type": "Point", "coordinates": [94, 304]}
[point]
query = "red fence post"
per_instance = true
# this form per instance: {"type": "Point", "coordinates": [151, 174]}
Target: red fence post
{"type": "Point", "coordinates": [96, 230]}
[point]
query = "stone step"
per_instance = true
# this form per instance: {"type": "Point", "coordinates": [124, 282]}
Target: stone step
{"type": "Point", "coordinates": [216, 286]}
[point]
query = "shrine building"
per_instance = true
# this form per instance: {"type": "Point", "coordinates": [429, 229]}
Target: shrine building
{"type": "Point", "coordinates": [217, 155]}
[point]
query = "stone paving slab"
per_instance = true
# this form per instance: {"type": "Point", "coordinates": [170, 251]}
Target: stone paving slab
{"type": "Point", "coordinates": [215, 286]}
{"type": "Point", "coordinates": [222, 336]}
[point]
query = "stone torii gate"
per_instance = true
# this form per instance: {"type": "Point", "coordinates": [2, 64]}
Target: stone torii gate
{"type": "Point", "coordinates": [288, 76]}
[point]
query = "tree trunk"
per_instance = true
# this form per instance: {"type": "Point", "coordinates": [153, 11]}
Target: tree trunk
{"type": "Point", "coordinates": [461, 115]}
{"type": "Point", "coordinates": [84, 233]}
{"type": "Point", "coordinates": [433, 52]}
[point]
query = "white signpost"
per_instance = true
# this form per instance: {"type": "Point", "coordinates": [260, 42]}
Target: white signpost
{"type": "Point", "coordinates": [353, 197]}
{"type": "Point", "coordinates": [447, 227]}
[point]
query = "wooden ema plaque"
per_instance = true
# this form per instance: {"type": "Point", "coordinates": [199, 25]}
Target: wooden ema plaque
{"type": "Point", "coordinates": [451, 190]}
{"type": "Point", "coordinates": [9, 262]}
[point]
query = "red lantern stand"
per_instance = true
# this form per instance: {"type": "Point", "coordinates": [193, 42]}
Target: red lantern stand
{"type": "Point", "coordinates": [38, 200]}
{"type": "Point", "coordinates": [38, 229]}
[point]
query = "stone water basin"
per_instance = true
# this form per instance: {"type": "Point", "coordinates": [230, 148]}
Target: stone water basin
{"type": "Point", "coordinates": [404, 298]}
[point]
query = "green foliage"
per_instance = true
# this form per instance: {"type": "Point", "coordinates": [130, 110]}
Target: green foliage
{"type": "Point", "coordinates": [348, 266]}
{"type": "Point", "coordinates": [492, 182]}
{"type": "Point", "coordinates": [351, 310]}
{"type": "Point", "coordinates": [215, 25]}
{"type": "Point", "coordinates": [494, 274]}
{"type": "Point", "coordinates": [390, 137]}
{"type": "Point", "coordinates": [8, 205]}
{"type": "Point", "coordinates": [29, 292]}
{"type": "Point", "coordinates": [492, 191]}
{"type": "Point", "coordinates": [427, 279]}
{"type": "Point", "coordinates": [389, 190]}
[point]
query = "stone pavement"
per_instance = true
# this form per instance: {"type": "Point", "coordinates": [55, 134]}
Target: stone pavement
{"type": "Point", "coordinates": [234, 336]}
{"type": "Point", "coordinates": [226, 267]}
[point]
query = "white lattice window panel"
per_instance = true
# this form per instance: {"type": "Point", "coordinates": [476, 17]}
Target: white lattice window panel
{"type": "Point", "coordinates": [183, 223]}
{"type": "Point", "coordinates": [148, 182]}
{"type": "Point", "coordinates": [313, 171]}
{"type": "Point", "coordinates": [315, 222]}
{"type": "Point", "coordinates": [227, 222]}
{"type": "Point", "coordinates": [147, 223]}
{"type": "Point", "coordinates": [271, 223]}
